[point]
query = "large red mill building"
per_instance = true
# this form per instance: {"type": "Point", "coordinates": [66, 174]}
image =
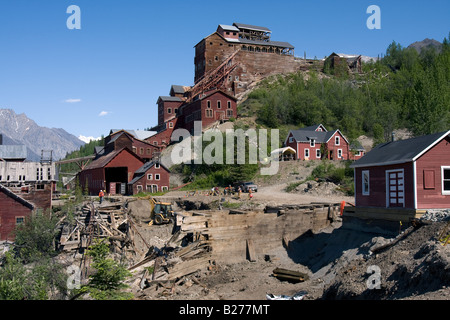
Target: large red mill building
{"type": "Point", "coordinates": [226, 61]}
{"type": "Point", "coordinates": [257, 55]}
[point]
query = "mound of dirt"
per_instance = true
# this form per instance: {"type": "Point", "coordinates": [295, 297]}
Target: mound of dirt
{"type": "Point", "coordinates": [417, 267]}
{"type": "Point", "coordinates": [315, 188]}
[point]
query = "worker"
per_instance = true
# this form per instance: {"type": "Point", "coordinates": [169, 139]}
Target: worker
{"type": "Point", "coordinates": [239, 192]}
{"type": "Point", "coordinates": [101, 195]}
{"type": "Point", "coordinates": [250, 194]}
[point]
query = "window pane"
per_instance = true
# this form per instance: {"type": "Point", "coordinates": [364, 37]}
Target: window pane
{"type": "Point", "coordinates": [447, 185]}
{"type": "Point", "coordinates": [447, 174]}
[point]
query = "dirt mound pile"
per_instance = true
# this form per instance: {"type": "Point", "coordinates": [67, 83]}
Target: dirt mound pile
{"type": "Point", "coordinates": [416, 267]}
{"type": "Point", "coordinates": [318, 188]}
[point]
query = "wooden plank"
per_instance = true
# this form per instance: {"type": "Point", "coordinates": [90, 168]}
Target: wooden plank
{"type": "Point", "coordinates": [251, 251]}
{"type": "Point", "coordinates": [188, 267]}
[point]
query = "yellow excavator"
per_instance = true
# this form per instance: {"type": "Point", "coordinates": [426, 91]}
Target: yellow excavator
{"type": "Point", "coordinates": [161, 212]}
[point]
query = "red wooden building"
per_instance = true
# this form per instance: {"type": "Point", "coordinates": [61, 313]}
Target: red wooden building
{"type": "Point", "coordinates": [135, 140]}
{"type": "Point", "coordinates": [209, 108]}
{"type": "Point", "coordinates": [316, 143]}
{"type": "Point", "coordinates": [13, 211]}
{"type": "Point", "coordinates": [111, 172]}
{"type": "Point", "coordinates": [151, 177]}
{"type": "Point", "coordinates": [410, 174]}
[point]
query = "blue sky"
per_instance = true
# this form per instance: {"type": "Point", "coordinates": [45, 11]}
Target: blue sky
{"type": "Point", "coordinates": [110, 73]}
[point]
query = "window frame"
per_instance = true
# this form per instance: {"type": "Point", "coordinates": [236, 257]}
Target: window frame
{"type": "Point", "coordinates": [318, 154]}
{"type": "Point", "coordinates": [365, 192]}
{"type": "Point", "coordinates": [443, 180]}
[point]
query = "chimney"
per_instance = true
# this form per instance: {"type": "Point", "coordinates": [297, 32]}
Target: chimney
{"type": "Point", "coordinates": [393, 136]}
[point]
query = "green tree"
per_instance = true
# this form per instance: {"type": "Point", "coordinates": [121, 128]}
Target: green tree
{"type": "Point", "coordinates": [107, 281]}
{"type": "Point", "coordinates": [44, 279]}
{"type": "Point", "coordinates": [35, 238]}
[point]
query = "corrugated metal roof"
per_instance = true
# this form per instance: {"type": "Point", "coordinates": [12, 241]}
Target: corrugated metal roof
{"type": "Point", "coordinates": [305, 135]}
{"type": "Point", "coordinates": [251, 27]}
{"type": "Point", "coordinates": [179, 89]}
{"type": "Point", "coordinates": [279, 44]}
{"type": "Point", "coordinates": [138, 134]}
{"type": "Point", "coordinates": [228, 28]}
{"type": "Point", "coordinates": [169, 98]}
{"type": "Point", "coordinates": [10, 152]}
{"type": "Point", "coordinates": [400, 151]}
{"type": "Point", "coordinates": [104, 160]}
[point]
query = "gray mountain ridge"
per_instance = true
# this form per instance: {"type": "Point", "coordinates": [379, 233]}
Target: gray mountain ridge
{"type": "Point", "coordinates": [19, 129]}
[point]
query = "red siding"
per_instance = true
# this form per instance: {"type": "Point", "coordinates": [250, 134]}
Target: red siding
{"type": "Point", "coordinates": [197, 111]}
{"type": "Point", "coordinates": [331, 148]}
{"type": "Point", "coordinates": [164, 180]}
{"type": "Point", "coordinates": [125, 159]}
{"type": "Point", "coordinates": [96, 179]}
{"type": "Point", "coordinates": [377, 186]}
{"type": "Point", "coordinates": [430, 196]}
{"type": "Point", "coordinates": [9, 210]}
{"type": "Point", "coordinates": [163, 110]}
{"type": "Point", "coordinates": [162, 138]}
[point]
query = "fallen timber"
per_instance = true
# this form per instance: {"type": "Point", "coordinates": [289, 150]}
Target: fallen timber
{"type": "Point", "coordinates": [234, 237]}
{"type": "Point", "coordinates": [209, 238]}
{"type": "Point", "coordinates": [110, 222]}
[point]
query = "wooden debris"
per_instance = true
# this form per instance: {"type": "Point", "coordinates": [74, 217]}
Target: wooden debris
{"type": "Point", "coordinates": [289, 275]}
{"type": "Point", "coordinates": [251, 251]}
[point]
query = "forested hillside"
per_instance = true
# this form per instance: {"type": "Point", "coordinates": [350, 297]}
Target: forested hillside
{"type": "Point", "coordinates": [85, 150]}
{"type": "Point", "coordinates": [405, 89]}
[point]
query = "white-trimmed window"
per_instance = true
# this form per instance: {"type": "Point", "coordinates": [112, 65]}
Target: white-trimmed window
{"type": "Point", "coordinates": [157, 166]}
{"type": "Point", "coordinates": [339, 153]}
{"type": "Point", "coordinates": [157, 176]}
{"type": "Point", "coordinates": [365, 182]}
{"type": "Point", "coordinates": [306, 153]}
{"type": "Point", "coordinates": [291, 139]}
{"type": "Point", "coordinates": [149, 176]}
{"type": "Point", "coordinates": [312, 143]}
{"type": "Point", "coordinates": [318, 154]}
{"type": "Point", "coordinates": [445, 175]}
{"type": "Point", "coordinates": [169, 110]}
{"type": "Point", "coordinates": [337, 141]}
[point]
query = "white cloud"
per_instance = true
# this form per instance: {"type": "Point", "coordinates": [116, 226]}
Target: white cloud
{"type": "Point", "coordinates": [72, 100]}
{"type": "Point", "coordinates": [87, 139]}
{"type": "Point", "coordinates": [103, 113]}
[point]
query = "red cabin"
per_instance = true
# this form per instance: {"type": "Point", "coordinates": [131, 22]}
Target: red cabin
{"type": "Point", "coordinates": [151, 177]}
{"type": "Point", "coordinates": [410, 174]}
{"type": "Point", "coordinates": [316, 143]}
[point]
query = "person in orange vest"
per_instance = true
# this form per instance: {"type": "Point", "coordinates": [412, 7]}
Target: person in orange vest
{"type": "Point", "coordinates": [101, 195]}
{"type": "Point", "coordinates": [250, 194]}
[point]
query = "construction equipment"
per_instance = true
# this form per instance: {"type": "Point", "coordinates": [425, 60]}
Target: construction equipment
{"type": "Point", "coordinates": [161, 212]}
{"type": "Point", "coordinates": [444, 237]}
